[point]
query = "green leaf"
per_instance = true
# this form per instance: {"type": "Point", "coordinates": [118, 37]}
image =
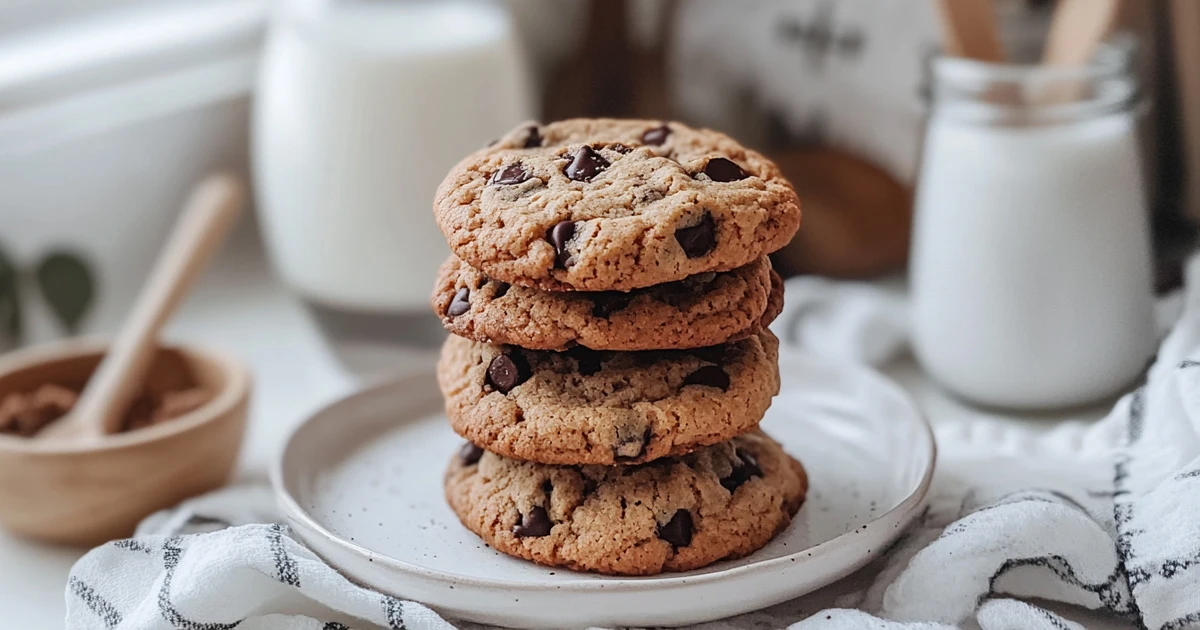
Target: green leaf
{"type": "Point", "coordinates": [68, 285]}
{"type": "Point", "coordinates": [10, 302]}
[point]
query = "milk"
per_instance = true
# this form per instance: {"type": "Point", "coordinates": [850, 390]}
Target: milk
{"type": "Point", "coordinates": [362, 109]}
{"type": "Point", "coordinates": [1031, 267]}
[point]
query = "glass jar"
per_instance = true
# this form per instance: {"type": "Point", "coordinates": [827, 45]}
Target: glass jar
{"type": "Point", "coordinates": [361, 109]}
{"type": "Point", "coordinates": [1031, 269]}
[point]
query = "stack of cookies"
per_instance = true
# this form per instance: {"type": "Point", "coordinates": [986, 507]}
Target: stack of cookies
{"type": "Point", "coordinates": [609, 296]}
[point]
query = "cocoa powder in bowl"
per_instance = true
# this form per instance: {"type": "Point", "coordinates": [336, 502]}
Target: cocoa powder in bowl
{"type": "Point", "coordinates": [25, 413]}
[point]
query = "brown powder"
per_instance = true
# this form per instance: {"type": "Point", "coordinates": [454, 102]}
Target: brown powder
{"type": "Point", "coordinates": [25, 413]}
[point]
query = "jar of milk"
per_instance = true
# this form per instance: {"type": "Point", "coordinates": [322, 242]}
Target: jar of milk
{"type": "Point", "coordinates": [362, 107]}
{"type": "Point", "coordinates": [1031, 268]}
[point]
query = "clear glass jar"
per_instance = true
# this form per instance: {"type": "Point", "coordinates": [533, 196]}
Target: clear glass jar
{"type": "Point", "coordinates": [361, 109]}
{"type": "Point", "coordinates": [1031, 269]}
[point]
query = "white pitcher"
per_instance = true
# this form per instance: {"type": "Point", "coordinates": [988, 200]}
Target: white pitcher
{"type": "Point", "coordinates": [1031, 268]}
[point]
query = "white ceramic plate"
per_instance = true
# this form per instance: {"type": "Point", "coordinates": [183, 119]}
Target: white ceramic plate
{"type": "Point", "coordinates": [360, 483]}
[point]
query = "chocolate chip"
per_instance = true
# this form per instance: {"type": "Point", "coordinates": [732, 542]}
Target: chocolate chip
{"type": "Point", "coordinates": [535, 524]}
{"type": "Point", "coordinates": [709, 376]}
{"type": "Point", "coordinates": [506, 372]}
{"type": "Point", "coordinates": [511, 174]}
{"type": "Point", "coordinates": [712, 354]}
{"type": "Point", "coordinates": [558, 236]}
{"type": "Point", "coordinates": [588, 361]}
{"type": "Point", "coordinates": [675, 293]}
{"type": "Point", "coordinates": [657, 135]}
{"type": "Point", "coordinates": [698, 239]}
{"type": "Point", "coordinates": [501, 290]}
{"type": "Point", "coordinates": [470, 454]}
{"type": "Point", "coordinates": [585, 165]}
{"type": "Point", "coordinates": [678, 530]}
{"type": "Point", "coordinates": [608, 302]}
{"type": "Point", "coordinates": [744, 470]}
{"type": "Point", "coordinates": [619, 148]}
{"type": "Point", "coordinates": [631, 446]}
{"type": "Point", "coordinates": [533, 138]}
{"type": "Point", "coordinates": [750, 463]}
{"type": "Point", "coordinates": [723, 170]}
{"type": "Point", "coordinates": [460, 304]}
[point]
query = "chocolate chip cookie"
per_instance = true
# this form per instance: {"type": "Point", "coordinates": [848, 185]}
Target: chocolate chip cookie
{"type": "Point", "coordinates": [676, 514]}
{"type": "Point", "coordinates": [603, 204]}
{"type": "Point", "coordinates": [701, 310]}
{"type": "Point", "coordinates": [597, 407]}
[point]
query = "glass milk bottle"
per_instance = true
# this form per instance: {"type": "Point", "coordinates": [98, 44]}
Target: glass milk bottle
{"type": "Point", "coordinates": [1031, 267]}
{"type": "Point", "coordinates": [361, 110]}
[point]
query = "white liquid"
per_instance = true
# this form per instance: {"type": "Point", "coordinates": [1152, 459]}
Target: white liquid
{"type": "Point", "coordinates": [1031, 270]}
{"type": "Point", "coordinates": [361, 111]}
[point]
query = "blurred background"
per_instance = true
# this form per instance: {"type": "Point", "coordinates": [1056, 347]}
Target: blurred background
{"type": "Point", "coordinates": [345, 114]}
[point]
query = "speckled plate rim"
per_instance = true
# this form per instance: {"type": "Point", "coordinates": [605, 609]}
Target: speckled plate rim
{"type": "Point", "coordinates": [899, 516]}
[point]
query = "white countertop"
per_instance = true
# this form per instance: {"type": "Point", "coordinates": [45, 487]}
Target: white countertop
{"type": "Point", "coordinates": [240, 305]}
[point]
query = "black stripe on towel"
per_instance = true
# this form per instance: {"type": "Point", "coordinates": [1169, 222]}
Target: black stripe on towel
{"type": "Point", "coordinates": [103, 609]}
{"type": "Point", "coordinates": [393, 609]}
{"type": "Point", "coordinates": [285, 565]}
{"type": "Point", "coordinates": [172, 552]}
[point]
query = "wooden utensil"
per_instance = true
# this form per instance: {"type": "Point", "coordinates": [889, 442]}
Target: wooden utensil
{"type": "Point", "coordinates": [969, 28]}
{"type": "Point", "coordinates": [1077, 29]}
{"type": "Point", "coordinates": [211, 211]}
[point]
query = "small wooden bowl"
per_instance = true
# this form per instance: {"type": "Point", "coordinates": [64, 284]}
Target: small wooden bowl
{"type": "Point", "coordinates": [89, 494]}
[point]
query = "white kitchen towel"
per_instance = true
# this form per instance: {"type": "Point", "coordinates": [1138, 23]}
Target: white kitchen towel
{"type": "Point", "coordinates": [844, 321]}
{"type": "Point", "coordinates": [1104, 517]}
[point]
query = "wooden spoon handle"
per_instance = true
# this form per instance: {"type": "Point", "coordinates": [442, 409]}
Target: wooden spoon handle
{"type": "Point", "coordinates": [969, 29]}
{"type": "Point", "coordinates": [211, 210]}
{"type": "Point", "coordinates": [1077, 29]}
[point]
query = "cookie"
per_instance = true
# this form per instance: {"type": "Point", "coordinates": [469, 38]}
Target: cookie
{"type": "Point", "coordinates": [702, 310]}
{"type": "Point", "coordinates": [604, 204]}
{"type": "Point", "coordinates": [725, 501]}
{"type": "Point", "coordinates": [596, 407]}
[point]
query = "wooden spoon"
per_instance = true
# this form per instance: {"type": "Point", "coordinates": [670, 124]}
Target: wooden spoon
{"type": "Point", "coordinates": [211, 211]}
{"type": "Point", "coordinates": [969, 28]}
{"type": "Point", "coordinates": [1077, 29]}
